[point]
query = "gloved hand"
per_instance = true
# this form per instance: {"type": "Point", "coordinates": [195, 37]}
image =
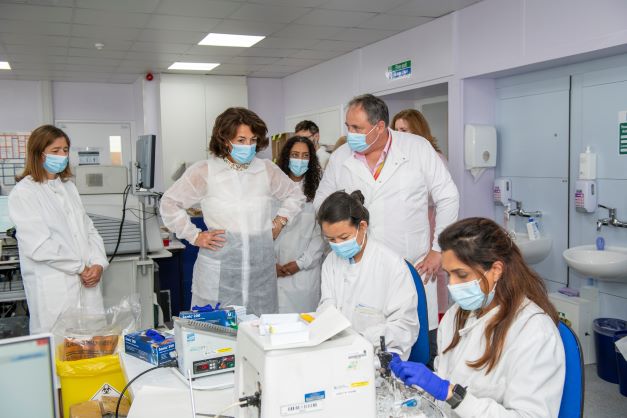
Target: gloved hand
{"type": "Point", "coordinates": [418, 374]}
{"type": "Point", "coordinates": [155, 336]}
{"type": "Point", "coordinates": [206, 308]}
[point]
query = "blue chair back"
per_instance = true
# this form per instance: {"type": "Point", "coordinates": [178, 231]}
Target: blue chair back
{"type": "Point", "coordinates": [572, 398]}
{"type": "Point", "coordinates": [420, 350]}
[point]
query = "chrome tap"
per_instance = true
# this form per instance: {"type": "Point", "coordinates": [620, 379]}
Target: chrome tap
{"type": "Point", "coordinates": [611, 221]}
{"type": "Point", "coordinates": [519, 211]}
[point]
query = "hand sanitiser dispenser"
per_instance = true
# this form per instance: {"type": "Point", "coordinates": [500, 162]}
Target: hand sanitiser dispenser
{"type": "Point", "coordinates": [585, 196]}
{"type": "Point", "coordinates": [502, 191]}
{"type": "Point", "coordinates": [479, 148]}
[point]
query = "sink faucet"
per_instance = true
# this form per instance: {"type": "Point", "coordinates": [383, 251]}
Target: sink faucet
{"type": "Point", "coordinates": [519, 211]}
{"type": "Point", "coordinates": [611, 221]}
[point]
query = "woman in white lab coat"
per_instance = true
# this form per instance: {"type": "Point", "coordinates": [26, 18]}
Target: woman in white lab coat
{"type": "Point", "coordinates": [62, 256]}
{"type": "Point", "coordinates": [368, 282]}
{"type": "Point", "coordinates": [235, 263]}
{"type": "Point", "coordinates": [300, 246]}
{"type": "Point", "coordinates": [500, 353]}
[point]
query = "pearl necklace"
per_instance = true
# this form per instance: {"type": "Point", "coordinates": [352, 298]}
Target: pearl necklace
{"type": "Point", "coordinates": [236, 166]}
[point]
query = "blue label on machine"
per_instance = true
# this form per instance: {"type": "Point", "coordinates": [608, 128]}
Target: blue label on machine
{"type": "Point", "coordinates": [315, 396]}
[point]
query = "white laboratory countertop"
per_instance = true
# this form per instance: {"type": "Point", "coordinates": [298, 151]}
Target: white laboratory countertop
{"type": "Point", "coordinates": [162, 392]}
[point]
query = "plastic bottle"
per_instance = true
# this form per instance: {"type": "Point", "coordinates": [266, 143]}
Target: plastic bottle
{"type": "Point", "coordinates": [532, 229]}
{"type": "Point", "coordinates": [600, 243]}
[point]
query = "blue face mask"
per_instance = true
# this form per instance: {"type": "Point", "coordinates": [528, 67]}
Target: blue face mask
{"type": "Point", "coordinates": [243, 154]}
{"type": "Point", "coordinates": [469, 295]}
{"type": "Point", "coordinates": [347, 249]}
{"type": "Point", "coordinates": [357, 142]}
{"type": "Point", "coordinates": [55, 163]}
{"type": "Point", "coordinates": [298, 167]}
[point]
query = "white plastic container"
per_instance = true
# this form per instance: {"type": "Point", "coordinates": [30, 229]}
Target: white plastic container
{"type": "Point", "coordinates": [532, 229]}
{"type": "Point", "coordinates": [585, 196]}
{"type": "Point", "coordinates": [587, 165]}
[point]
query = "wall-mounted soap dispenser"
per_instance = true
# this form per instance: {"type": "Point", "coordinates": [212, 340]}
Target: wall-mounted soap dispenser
{"type": "Point", "coordinates": [479, 148]}
{"type": "Point", "coordinates": [586, 185]}
{"type": "Point", "coordinates": [502, 191]}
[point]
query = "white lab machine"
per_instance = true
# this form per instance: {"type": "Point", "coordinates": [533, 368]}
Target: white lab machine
{"type": "Point", "coordinates": [203, 349]}
{"type": "Point", "coordinates": [332, 379]}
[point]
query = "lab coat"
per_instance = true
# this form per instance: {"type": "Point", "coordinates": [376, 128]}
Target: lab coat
{"type": "Point", "coordinates": [300, 241]}
{"type": "Point", "coordinates": [56, 241]}
{"type": "Point", "coordinates": [377, 295]}
{"type": "Point", "coordinates": [323, 156]}
{"type": "Point", "coordinates": [243, 271]}
{"type": "Point", "coordinates": [526, 382]}
{"type": "Point", "coordinates": [398, 200]}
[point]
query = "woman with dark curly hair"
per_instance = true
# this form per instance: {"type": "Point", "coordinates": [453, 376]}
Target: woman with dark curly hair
{"type": "Point", "coordinates": [300, 247]}
{"type": "Point", "coordinates": [235, 264]}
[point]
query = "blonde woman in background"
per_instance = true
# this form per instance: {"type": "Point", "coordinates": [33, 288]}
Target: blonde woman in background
{"type": "Point", "coordinates": [412, 121]}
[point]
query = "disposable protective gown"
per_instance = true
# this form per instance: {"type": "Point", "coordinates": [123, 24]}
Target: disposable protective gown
{"type": "Point", "coordinates": [243, 271]}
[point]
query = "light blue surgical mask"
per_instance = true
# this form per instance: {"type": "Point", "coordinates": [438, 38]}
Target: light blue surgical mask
{"type": "Point", "coordinates": [55, 164]}
{"type": "Point", "coordinates": [243, 154]}
{"type": "Point", "coordinates": [298, 167]}
{"type": "Point", "coordinates": [347, 249]}
{"type": "Point", "coordinates": [357, 142]}
{"type": "Point", "coordinates": [469, 295]}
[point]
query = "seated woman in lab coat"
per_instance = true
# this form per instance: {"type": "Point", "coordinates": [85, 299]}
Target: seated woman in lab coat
{"type": "Point", "coordinates": [62, 255]}
{"type": "Point", "coordinates": [369, 283]}
{"type": "Point", "coordinates": [499, 350]}
{"type": "Point", "coordinates": [300, 246]}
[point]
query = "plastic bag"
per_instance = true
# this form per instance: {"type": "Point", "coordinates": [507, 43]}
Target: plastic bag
{"type": "Point", "coordinates": [88, 330]}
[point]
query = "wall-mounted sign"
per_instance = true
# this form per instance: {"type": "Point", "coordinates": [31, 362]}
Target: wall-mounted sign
{"type": "Point", "coordinates": [400, 70]}
{"type": "Point", "coordinates": [622, 132]}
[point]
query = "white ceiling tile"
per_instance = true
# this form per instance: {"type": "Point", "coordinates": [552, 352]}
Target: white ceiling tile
{"type": "Point", "coordinates": [366, 36]}
{"type": "Point", "coordinates": [394, 22]}
{"type": "Point", "coordinates": [151, 57]}
{"type": "Point", "coordinates": [88, 43]}
{"type": "Point", "coordinates": [38, 59]}
{"type": "Point", "coordinates": [104, 33]}
{"type": "Point", "coordinates": [28, 39]}
{"type": "Point", "coordinates": [299, 3]}
{"type": "Point", "coordinates": [198, 8]}
{"type": "Point", "coordinates": [289, 43]}
{"type": "Point", "coordinates": [271, 74]}
{"type": "Point", "coordinates": [171, 36]}
{"type": "Point", "coordinates": [94, 53]}
{"type": "Point", "coordinates": [378, 6]}
{"type": "Point", "coordinates": [430, 8]}
{"type": "Point", "coordinates": [268, 52]}
{"type": "Point", "coordinates": [182, 23]}
{"type": "Point", "coordinates": [251, 60]}
{"type": "Point", "coordinates": [160, 47]}
{"type": "Point", "coordinates": [220, 51]}
{"type": "Point", "coordinates": [99, 17]}
{"type": "Point", "coordinates": [35, 13]}
{"type": "Point", "coordinates": [296, 62]}
{"type": "Point", "coordinates": [141, 6]}
{"type": "Point", "coordinates": [264, 13]}
{"type": "Point", "coordinates": [343, 46]}
{"type": "Point", "coordinates": [35, 28]}
{"type": "Point", "coordinates": [334, 18]}
{"type": "Point", "coordinates": [246, 27]}
{"type": "Point", "coordinates": [59, 3]}
{"type": "Point", "coordinates": [42, 50]}
{"type": "Point", "coordinates": [300, 31]}
{"type": "Point", "coordinates": [317, 54]}
{"type": "Point", "coordinates": [94, 62]}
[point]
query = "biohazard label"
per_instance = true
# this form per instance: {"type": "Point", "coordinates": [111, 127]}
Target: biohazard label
{"type": "Point", "coordinates": [105, 390]}
{"type": "Point", "coordinates": [301, 408]}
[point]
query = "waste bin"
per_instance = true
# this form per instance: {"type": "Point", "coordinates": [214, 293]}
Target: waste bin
{"type": "Point", "coordinates": [89, 379]}
{"type": "Point", "coordinates": [605, 330]}
{"type": "Point", "coordinates": [622, 366]}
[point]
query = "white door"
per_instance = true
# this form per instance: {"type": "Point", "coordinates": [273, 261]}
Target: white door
{"type": "Point", "coordinates": [110, 140]}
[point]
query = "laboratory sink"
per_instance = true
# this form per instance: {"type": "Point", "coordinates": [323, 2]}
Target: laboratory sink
{"type": "Point", "coordinates": [609, 264]}
{"type": "Point", "coordinates": [533, 251]}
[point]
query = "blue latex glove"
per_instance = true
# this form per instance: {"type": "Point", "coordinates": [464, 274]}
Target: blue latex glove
{"type": "Point", "coordinates": [395, 363]}
{"type": "Point", "coordinates": [155, 336]}
{"type": "Point", "coordinates": [206, 308]}
{"type": "Point", "coordinates": [419, 375]}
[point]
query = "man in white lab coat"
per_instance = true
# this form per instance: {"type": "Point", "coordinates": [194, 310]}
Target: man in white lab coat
{"type": "Point", "coordinates": [396, 172]}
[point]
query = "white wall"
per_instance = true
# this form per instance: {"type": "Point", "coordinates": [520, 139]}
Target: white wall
{"type": "Point", "coordinates": [93, 101]}
{"type": "Point", "coordinates": [21, 105]}
{"type": "Point", "coordinates": [265, 97]}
